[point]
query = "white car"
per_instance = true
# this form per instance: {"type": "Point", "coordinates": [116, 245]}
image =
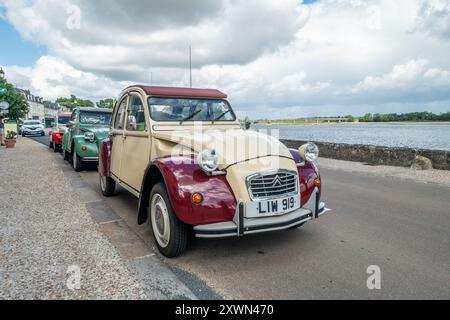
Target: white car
{"type": "Point", "coordinates": [32, 127]}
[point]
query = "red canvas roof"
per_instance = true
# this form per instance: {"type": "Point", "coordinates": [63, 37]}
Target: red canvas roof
{"type": "Point", "coordinates": [182, 92]}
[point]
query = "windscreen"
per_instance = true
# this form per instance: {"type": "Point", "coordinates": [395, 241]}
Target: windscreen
{"type": "Point", "coordinates": [92, 117]}
{"type": "Point", "coordinates": [63, 120]}
{"type": "Point", "coordinates": [184, 109]}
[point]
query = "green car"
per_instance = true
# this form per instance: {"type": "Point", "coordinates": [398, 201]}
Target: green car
{"type": "Point", "coordinates": [85, 128]}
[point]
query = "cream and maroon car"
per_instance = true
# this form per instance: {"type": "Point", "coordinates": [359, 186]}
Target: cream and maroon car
{"type": "Point", "coordinates": [182, 153]}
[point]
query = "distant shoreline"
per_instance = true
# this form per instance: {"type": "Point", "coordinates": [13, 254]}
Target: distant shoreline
{"type": "Point", "coordinates": [356, 123]}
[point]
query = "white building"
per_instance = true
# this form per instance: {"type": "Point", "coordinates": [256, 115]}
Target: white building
{"type": "Point", "coordinates": [36, 109]}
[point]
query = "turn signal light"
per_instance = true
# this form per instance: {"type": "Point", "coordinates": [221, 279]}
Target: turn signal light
{"type": "Point", "coordinates": [197, 198]}
{"type": "Point", "coordinates": [83, 148]}
{"type": "Point", "coordinates": [317, 183]}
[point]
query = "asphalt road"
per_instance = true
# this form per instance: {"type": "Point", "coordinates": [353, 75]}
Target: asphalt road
{"type": "Point", "coordinates": [41, 139]}
{"type": "Point", "coordinates": [401, 226]}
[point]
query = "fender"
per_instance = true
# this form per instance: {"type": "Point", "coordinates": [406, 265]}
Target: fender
{"type": "Point", "coordinates": [183, 177]}
{"type": "Point", "coordinates": [104, 156]}
{"type": "Point", "coordinates": [91, 147]}
{"type": "Point", "coordinates": [307, 172]}
{"type": "Point", "coordinates": [56, 137]}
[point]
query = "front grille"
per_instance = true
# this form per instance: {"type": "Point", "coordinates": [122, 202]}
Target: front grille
{"type": "Point", "coordinates": [272, 185]}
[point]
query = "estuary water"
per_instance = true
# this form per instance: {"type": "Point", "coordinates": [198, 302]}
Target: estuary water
{"type": "Point", "coordinates": [412, 135]}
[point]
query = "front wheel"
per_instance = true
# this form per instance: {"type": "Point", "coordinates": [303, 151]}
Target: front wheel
{"type": "Point", "coordinates": [77, 164]}
{"type": "Point", "coordinates": [170, 234]}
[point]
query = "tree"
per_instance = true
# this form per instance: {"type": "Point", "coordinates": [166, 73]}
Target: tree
{"type": "Point", "coordinates": [18, 106]}
{"type": "Point", "coordinates": [106, 103]}
{"type": "Point", "coordinates": [74, 102]}
{"type": "Point", "coordinates": [367, 118]}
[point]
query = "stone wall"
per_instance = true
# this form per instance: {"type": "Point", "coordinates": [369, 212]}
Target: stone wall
{"type": "Point", "coordinates": [375, 155]}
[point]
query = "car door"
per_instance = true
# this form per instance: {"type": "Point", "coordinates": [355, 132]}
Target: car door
{"type": "Point", "coordinates": [116, 136]}
{"type": "Point", "coordinates": [136, 143]}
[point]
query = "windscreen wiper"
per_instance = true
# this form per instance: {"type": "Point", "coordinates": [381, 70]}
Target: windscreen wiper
{"type": "Point", "coordinates": [221, 116]}
{"type": "Point", "coordinates": [189, 117]}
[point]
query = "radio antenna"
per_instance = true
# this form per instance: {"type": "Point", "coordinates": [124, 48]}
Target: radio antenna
{"type": "Point", "coordinates": [190, 66]}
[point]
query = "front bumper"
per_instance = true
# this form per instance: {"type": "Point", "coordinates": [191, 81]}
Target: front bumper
{"type": "Point", "coordinates": [33, 132]}
{"type": "Point", "coordinates": [241, 226]}
{"type": "Point", "coordinates": [89, 159]}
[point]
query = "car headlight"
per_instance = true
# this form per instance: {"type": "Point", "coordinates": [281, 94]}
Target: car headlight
{"type": "Point", "coordinates": [208, 160]}
{"type": "Point", "coordinates": [89, 136]}
{"type": "Point", "coordinates": [309, 151]}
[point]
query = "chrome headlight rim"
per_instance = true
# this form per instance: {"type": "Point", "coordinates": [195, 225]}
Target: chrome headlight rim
{"type": "Point", "coordinates": [208, 160]}
{"type": "Point", "coordinates": [309, 152]}
{"type": "Point", "coordinates": [89, 136]}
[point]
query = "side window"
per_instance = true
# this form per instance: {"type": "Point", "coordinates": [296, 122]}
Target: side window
{"type": "Point", "coordinates": [118, 120]}
{"type": "Point", "coordinates": [136, 115]}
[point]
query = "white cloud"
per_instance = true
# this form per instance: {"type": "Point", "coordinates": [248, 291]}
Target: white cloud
{"type": "Point", "coordinates": [116, 37]}
{"type": "Point", "coordinates": [412, 81]}
{"type": "Point", "coordinates": [53, 78]}
{"type": "Point", "coordinates": [433, 17]}
{"type": "Point", "coordinates": [401, 76]}
{"type": "Point", "coordinates": [271, 57]}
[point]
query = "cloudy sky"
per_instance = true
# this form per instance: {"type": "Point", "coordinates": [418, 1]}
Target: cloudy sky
{"type": "Point", "coordinates": [275, 59]}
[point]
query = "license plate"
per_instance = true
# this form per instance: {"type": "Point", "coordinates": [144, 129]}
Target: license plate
{"type": "Point", "coordinates": [273, 207]}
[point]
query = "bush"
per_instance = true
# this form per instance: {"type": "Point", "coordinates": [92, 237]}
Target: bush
{"type": "Point", "coordinates": [11, 135]}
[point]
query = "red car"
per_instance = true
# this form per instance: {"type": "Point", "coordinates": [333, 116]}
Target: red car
{"type": "Point", "coordinates": [57, 132]}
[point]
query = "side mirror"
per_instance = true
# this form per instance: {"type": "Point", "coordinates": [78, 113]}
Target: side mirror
{"type": "Point", "coordinates": [70, 124]}
{"type": "Point", "coordinates": [131, 123]}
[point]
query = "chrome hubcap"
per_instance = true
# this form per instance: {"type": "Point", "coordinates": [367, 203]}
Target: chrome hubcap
{"type": "Point", "coordinates": [159, 216]}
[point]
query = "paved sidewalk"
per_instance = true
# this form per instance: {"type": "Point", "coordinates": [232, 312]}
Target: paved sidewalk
{"type": "Point", "coordinates": [51, 224]}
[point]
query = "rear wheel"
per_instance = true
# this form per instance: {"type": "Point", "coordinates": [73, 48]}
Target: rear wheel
{"type": "Point", "coordinates": [107, 185]}
{"type": "Point", "coordinates": [170, 234]}
{"type": "Point", "coordinates": [77, 163]}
